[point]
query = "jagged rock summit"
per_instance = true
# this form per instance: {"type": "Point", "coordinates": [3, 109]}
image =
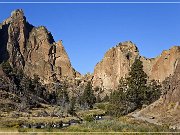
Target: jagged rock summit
{"type": "Point", "coordinates": [33, 50]}
{"type": "Point", "coordinates": [118, 60]}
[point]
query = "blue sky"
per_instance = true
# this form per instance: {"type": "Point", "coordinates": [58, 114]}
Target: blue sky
{"type": "Point", "coordinates": [89, 30]}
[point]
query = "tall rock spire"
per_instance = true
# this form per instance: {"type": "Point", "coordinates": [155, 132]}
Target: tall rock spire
{"type": "Point", "coordinates": [33, 49]}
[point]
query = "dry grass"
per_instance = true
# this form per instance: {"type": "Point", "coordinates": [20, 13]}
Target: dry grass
{"type": "Point", "coordinates": [107, 126]}
{"type": "Point", "coordinates": [91, 112]}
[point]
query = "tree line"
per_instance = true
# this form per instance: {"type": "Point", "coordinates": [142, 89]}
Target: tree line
{"type": "Point", "coordinates": [132, 92]}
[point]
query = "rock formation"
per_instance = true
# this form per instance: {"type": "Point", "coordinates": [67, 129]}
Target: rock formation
{"type": "Point", "coordinates": [115, 64]}
{"type": "Point", "coordinates": [162, 66]}
{"type": "Point", "coordinates": [167, 108]}
{"type": "Point", "coordinates": [33, 50]}
{"type": "Point", "coordinates": [118, 60]}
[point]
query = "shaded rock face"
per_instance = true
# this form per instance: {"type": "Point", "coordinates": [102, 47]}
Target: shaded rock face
{"type": "Point", "coordinates": [3, 42]}
{"type": "Point", "coordinates": [118, 60]}
{"type": "Point", "coordinates": [33, 49]}
{"type": "Point", "coordinates": [172, 87]}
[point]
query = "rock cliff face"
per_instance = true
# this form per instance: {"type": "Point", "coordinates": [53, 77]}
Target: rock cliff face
{"type": "Point", "coordinates": [118, 60]}
{"type": "Point", "coordinates": [33, 49]}
{"type": "Point", "coordinates": [167, 108]}
{"type": "Point", "coordinates": [115, 64]}
{"type": "Point", "coordinates": [172, 87]}
{"type": "Point", "coordinates": [162, 66]}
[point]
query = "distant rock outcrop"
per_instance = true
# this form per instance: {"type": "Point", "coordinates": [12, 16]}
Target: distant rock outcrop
{"type": "Point", "coordinates": [33, 50]}
{"type": "Point", "coordinates": [118, 60]}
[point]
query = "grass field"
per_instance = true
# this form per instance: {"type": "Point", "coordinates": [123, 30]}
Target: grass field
{"type": "Point", "coordinates": [106, 126]}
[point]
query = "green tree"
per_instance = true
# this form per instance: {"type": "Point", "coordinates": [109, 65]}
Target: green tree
{"type": "Point", "coordinates": [106, 98]}
{"type": "Point", "coordinates": [37, 86]}
{"type": "Point", "coordinates": [98, 92]}
{"type": "Point", "coordinates": [117, 102]}
{"type": "Point", "coordinates": [71, 109]}
{"type": "Point", "coordinates": [137, 84]}
{"type": "Point", "coordinates": [98, 99]}
{"type": "Point", "coordinates": [36, 79]}
{"type": "Point", "coordinates": [119, 95]}
{"type": "Point", "coordinates": [153, 92]}
{"type": "Point", "coordinates": [63, 95]}
{"type": "Point", "coordinates": [7, 68]}
{"type": "Point", "coordinates": [88, 96]}
{"type": "Point", "coordinates": [26, 84]}
{"type": "Point", "coordinates": [133, 92]}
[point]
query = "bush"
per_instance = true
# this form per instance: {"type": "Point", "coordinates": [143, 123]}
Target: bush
{"type": "Point", "coordinates": [22, 130]}
{"type": "Point", "coordinates": [88, 118]}
{"type": "Point", "coordinates": [7, 68]}
{"type": "Point", "coordinates": [101, 106]}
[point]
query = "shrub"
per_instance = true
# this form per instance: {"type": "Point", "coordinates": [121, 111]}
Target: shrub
{"type": "Point", "coordinates": [22, 130]}
{"type": "Point", "coordinates": [102, 106]}
{"type": "Point", "coordinates": [88, 118]}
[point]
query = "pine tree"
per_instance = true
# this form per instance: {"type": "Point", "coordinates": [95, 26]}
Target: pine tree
{"type": "Point", "coordinates": [88, 96]}
{"type": "Point", "coordinates": [137, 83]}
{"type": "Point", "coordinates": [71, 109]}
{"type": "Point", "coordinates": [153, 92]}
{"type": "Point", "coordinates": [133, 92]}
{"type": "Point", "coordinates": [117, 106]}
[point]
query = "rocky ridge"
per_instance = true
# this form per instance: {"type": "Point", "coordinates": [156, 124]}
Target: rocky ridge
{"type": "Point", "coordinates": [33, 50]}
{"type": "Point", "coordinates": [118, 60]}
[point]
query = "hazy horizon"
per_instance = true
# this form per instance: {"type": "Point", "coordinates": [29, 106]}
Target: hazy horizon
{"type": "Point", "coordinates": [89, 30]}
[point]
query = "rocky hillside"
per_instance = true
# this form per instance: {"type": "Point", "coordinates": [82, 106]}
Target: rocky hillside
{"type": "Point", "coordinates": [167, 108]}
{"type": "Point", "coordinates": [118, 60]}
{"type": "Point", "coordinates": [33, 50]}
